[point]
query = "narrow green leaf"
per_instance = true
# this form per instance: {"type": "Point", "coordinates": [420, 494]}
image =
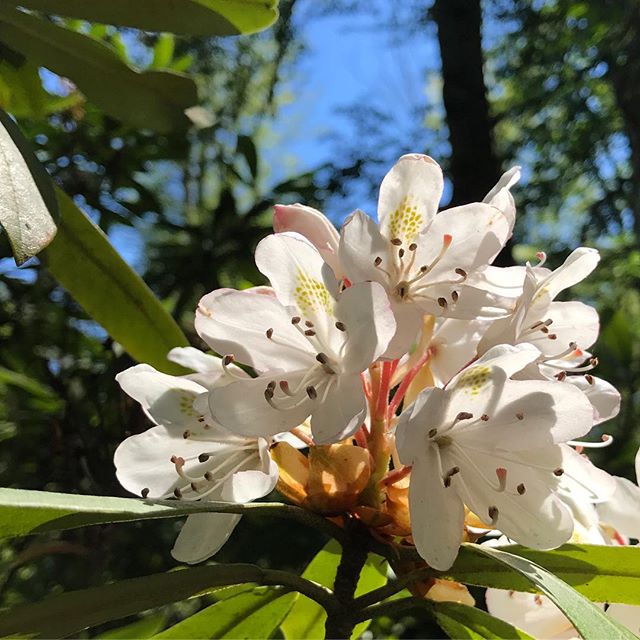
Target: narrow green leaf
{"type": "Point", "coordinates": [247, 148]}
{"type": "Point", "coordinates": [252, 614]}
{"type": "Point", "coordinates": [71, 612]}
{"type": "Point", "coordinates": [84, 262]}
{"type": "Point", "coordinates": [151, 100]}
{"type": "Point", "coordinates": [307, 618]}
{"type": "Point", "coordinates": [141, 629]}
{"type": "Point", "coordinates": [27, 201]}
{"type": "Point", "coordinates": [461, 621]}
{"type": "Point", "coordinates": [588, 619]}
{"type": "Point", "coordinates": [599, 572]}
{"type": "Point", "coordinates": [163, 51]}
{"type": "Point", "coordinates": [195, 17]}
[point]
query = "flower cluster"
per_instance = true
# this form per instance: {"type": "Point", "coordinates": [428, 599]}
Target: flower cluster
{"type": "Point", "coordinates": [389, 373]}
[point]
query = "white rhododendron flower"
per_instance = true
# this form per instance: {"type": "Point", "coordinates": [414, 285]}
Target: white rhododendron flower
{"type": "Point", "coordinates": [188, 456]}
{"type": "Point", "coordinates": [490, 443]}
{"type": "Point", "coordinates": [309, 344]}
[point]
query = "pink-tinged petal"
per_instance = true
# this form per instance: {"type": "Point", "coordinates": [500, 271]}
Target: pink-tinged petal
{"type": "Point", "coordinates": [437, 513]}
{"type": "Point", "coordinates": [627, 615]}
{"type": "Point", "coordinates": [360, 244]}
{"type": "Point", "coordinates": [203, 535]}
{"type": "Point", "coordinates": [314, 226]}
{"type": "Point", "coordinates": [236, 322]}
{"type": "Point", "coordinates": [622, 510]}
{"type": "Point", "coordinates": [341, 413]}
{"type": "Point", "coordinates": [409, 197]}
{"type": "Point", "coordinates": [366, 313]}
{"type": "Point", "coordinates": [478, 232]}
{"type": "Point", "coordinates": [241, 407]}
{"type": "Point", "coordinates": [535, 517]}
{"type": "Point", "coordinates": [580, 263]}
{"type": "Point", "coordinates": [571, 322]}
{"type": "Point", "coordinates": [500, 196]}
{"type": "Point", "coordinates": [603, 396]}
{"type": "Point", "coordinates": [168, 400]}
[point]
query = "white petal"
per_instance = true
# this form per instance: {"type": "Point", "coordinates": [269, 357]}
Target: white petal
{"type": "Point", "coordinates": [342, 413]}
{"type": "Point", "coordinates": [242, 408]}
{"type": "Point", "coordinates": [409, 196]}
{"type": "Point", "coordinates": [196, 360]}
{"type": "Point", "coordinates": [580, 263]}
{"type": "Point", "coordinates": [360, 244]}
{"type": "Point", "coordinates": [437, 513]}
{"type": "Point", "coordinates": [583, 479]}
{"type": "Point", "coordinates": [167, 399]}
{"type": "Point", "coordinates": [236, 322]}
{"type": "Point", "coordinates": [245, 486]}
{"type": "Point", "coordinates": [627, 615]}
{"type": "Point", "coordinates": [622, 510]}
{"type": "Point", "coordinates": [314, 226]}
{"type": "Point", "coordinates": [202, 535]}
{"type": "Point", "coordinates": [408, 319]}
{"type": "Point", "coordinates": [603, 396]}
{"type": "Point", "coordinates": [366, 313]}
{"type": "Point", "coordinates": [500, 196]}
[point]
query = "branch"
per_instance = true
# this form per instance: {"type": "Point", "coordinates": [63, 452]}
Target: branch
{"type": "Point", "coordinates": [391, 588]}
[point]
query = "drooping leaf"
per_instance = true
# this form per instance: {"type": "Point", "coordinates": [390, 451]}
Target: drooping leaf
{"type": "Point", "coordinates": [68, 613]}
{"type": "Point", "coordinates": [141, 629]}
{"type": "Point", "coordinates": [253, 614]}
{"type": "Point", "coordinates": [27, 201]}
{"type": "Point", "coordinates": [307, 618]}
{"type": "Point", "coordinates": [460, 621]}
{"type": "Point", "coordinates": [84, 262]}
{"type": "Point", "coordinates": [195, 17]}
{"type": "Point", "coordinates": [588, 619]}
{"type": "Point", "coordinates": [152, 100]}
{"type": "Point", "coordinates": [599, 572]}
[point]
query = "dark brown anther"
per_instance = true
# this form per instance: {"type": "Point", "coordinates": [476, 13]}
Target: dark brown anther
{"type": "Point", "coordinates": [396, 242]}
{"type": "Point", "coordinates": [552, 336]}
{"type": "Point", "coordinates": [484, 417]}
{"type": "Point", "coordinates": [520, 416]}
{"type": "Point", "coordinates": [558, 472]}
{"type": "Point", "coordinates": [186, 434]}
{"type": "Point", "coordinates": [308, 323]}
{"type": "Point", "coordinates": [464, 415]}
{"type": "Point", "coordinates": [442, 302]}
{"type": "Point", "coordinates": [454, 296]}
{"type": "Point", "coordinates": [461, 272]}
{"type": "Point", "coordinates": [173, 459]}
{"type": "Point", "coordinates": [561, 376]}
{"type": "Point", "coordinates": [269, 333]}
{"type": "Point", "coordinates": [424, 268]}
{"type": "Point", "coordinates": [268, 393]}
{"type": "Point", "coordinates": [309, 332]}
{"type": "Point", "coordinates": [296, 320]}
{"type": "Point", "coordinates": [228, 359]}
{"type": "Point", "coordinates": [177, 493]}
{"type": "Point", "coordinates": [208, 476]}
{"type": "Point", "coordinates": [322, 358]}
{"type": "Point", "coordinates": [145, 492]}
{"type": "Point", "coordinates": [493, 514]}
{"type": "Point", "coordinates": [432, 433]}
{"type": "Point", "coordinates": [203, 457]}
{"type": "Point", "coordinates": [340, 326]}
{"type": "Point", "coordinates": [521, 489]}
{"type": "Point", "coordinates": [413, 246]}
{"type": "Point", "coordinates": [589, 378]}
{"type": "Point", "coordinates": [593, 362]}
{"type": "Point", "coordinates": [573, 345]}
{"type": "Point", "coordinates": [311, 392]}
{"type": "Point", "coordinates": [272, 385]}
{"type": "Point", "coordinates": [377, 262]}
{"type": "Point", "coordinates": [194, 487]}
{"type": "Point", "coordinates": [544, 329]}
{"type": "Point", "coordinates": [200, 418]}
{"type": "Point", "coordinates": [401, 253]}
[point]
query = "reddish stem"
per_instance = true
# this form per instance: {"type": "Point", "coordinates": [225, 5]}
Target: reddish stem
{"type": "Point", "coordinates": [388, 368]}
{"type": "Point", "coordinates": [395, 476]}
{"type": "Point", "coordinates": [406, 381]}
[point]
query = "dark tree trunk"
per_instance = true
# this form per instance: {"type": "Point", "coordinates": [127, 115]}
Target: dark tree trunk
{"type": "Point", "coordinates": [474, 166]}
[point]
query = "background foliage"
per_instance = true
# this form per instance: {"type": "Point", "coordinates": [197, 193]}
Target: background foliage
{"type": "Point", "coordinates": [552, 86]}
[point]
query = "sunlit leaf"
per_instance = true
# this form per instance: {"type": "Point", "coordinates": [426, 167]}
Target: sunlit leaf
{"type": "Point", "coordinates": [152, 100]}
{"type": "Point", "coordinates": [27, 202]}
{"type": "Point", "coordinates": [84, 262]}
{"type": "Point", "coordinates": [195, 17]}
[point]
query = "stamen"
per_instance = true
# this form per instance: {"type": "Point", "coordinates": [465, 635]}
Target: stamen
{"type": "Point", "coordinates": [558, 472]}
{"type": "Point", "coordinates": [229, 359]}
{"type": "Point", "coordinates": [296, 320]}
{"type": "Point", "coordinates": [520, 416]}
{"type": "Point", "coordinates": [432, 433]}
{"type": "Point", "coordinates": [322, 358]}
{"type": "Point", "coordinates": [501, 472]}
{"type": "Point", "coordinates": [340, 326]}
{"type": "Point", "coordinates": [177, 493]}
{"type": "Point", "coordinates": [311, 392]}
{"type": "Point", "coordinates": [461, 272]}
{"type": "Point", "coordinates": [552, 336]}
{"type": "Point", "coordinates": [463, 415]}
{"type": "Point", "coordinates": [284, 387]}
{"type": "Point", "coordinates": [309, 332]}
{"type": "Point", "coordinates": [542, 258]}
{"type": "Point", "coordinates": [561, 376]}
{"type": "Point", "coordinates": [401, 253]}
{"type": "Point", "coordinates": [521, 489]}
{"type": "Point", "coordinates": [589, 378]}
{"type": "Point", "coordinates": [442, 302]}
{"type": "Point", "coordinates": [413, 246]}
{"type": "Point", "coordinates": [396, 242]}
{"type": "Point", "coordinates": [145, 492]}
{"type": "Point", "coordinates": [203, 457]}
{"type": "Point", "coordinates": [269, 333]}
{"type": "Point", "coordinates": [484, 417]}
{"type": "Point", "coordinates": [186, 434]}
{"type": "Point", "coordinates": [606, 441]}
{"type": "Point", "coordinates": [447, 477]}
{"type": "Point", "coordinates": [454, 296]}
{"type": "Point", "coordinates": [493, 515]}
{"type": "Point", "coordinates": [308, 323]}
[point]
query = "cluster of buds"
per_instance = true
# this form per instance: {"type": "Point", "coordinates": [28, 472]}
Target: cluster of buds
{"type": "Point", "coordinates": [390, 374]}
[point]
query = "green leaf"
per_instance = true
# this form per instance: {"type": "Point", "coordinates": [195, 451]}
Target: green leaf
{"type": "Point", "coordinates": [195, 17]}
{"type": "Point", "coordinates": [599, 572]}
{"type": "Point", "coordinates": [84, 262]}
{"type": "Point", "coordinates": [307, 618]}
{"type": "Point", "coordinates": [150, 100]}
{"type": "Point", "coordinates": [27, 201]}
{"type": "Point", "coordinates": [163, 51]}
{"type": "Point", "coordinates": [247, 148]}
{"type": "Point", "coordinates": [69, 613]}
{"type": "Point", "coordinates": [461, 621]}
{"type": "Point", "coordinates": [253, 614]}
{"type": "Point", "coordinates": [141, 629]}
{"type": "Point", "coordinates": [588, 619]}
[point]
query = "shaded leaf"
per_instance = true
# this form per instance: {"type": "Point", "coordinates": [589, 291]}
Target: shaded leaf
{"type": "Point", "coordinates": [247, 148]}
{"type": "Point", "coordinates": [141, 629]}
{"type": "Point", "coordinates": [195, 17]}
{"type": "Point", "coordinates": [27, 201]}
{"type": "Point", "coordinates": [253, 614]}
{"type": "Point", "coordinates": [84, 262]}
{"type": "Point", "coordinates": [151, 100]}
{"type": "Point", "coordinates": [461, 621]}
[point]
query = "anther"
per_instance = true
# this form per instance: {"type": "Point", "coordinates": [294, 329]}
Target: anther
{"type": "Point", "coordinates": [501, 472]}
{"type": "Point", "coordinates": [447, 477]}
{"type": "Point", "coordinates": [296, 320]}
{"type": "Point", "coordinates": [464, 415]}
{"type": "Point", "coordinates": [284, 386]}
{"type": "Point", "coordinates": [484, 417]}
{"type": "Point", "coordinates": [208, 476]}
{"type": "Point", "coordinates": [552, 336]}
{"type": "Point", "coordinates": [272, 385]}
{"type": "Point", "coordinates": [200, 418]}
{"type": "Point", "coordinates": [203, 457]}
{"type": "Point", "coordinates": [401, 253]}
{"type": "Point", "coordinates": [520, 416]}
{"type": "Point", "coordinates": [309, 332]}
{"type": "Point", "coordinates": [340, 326]}
{"type": "Point", "coordinates": [308, 323]}
{"type": "Point", "coordinates": [558, 472]}
{"type": "Point", "coordinates": [194, 487]}
{"type": "Point", "coordinates": [377, 262]}
{"type": "Point", "coordinates": [145, 492]}
{"type": "Point", "coordinates": [521, 489]}
{"type": "Point", "coordinates": [432, 433]}
{"type": "Point", "coordinates": [493, 514]}
{"type": "Point", "coordinates": [396, 242]}
{"type": "Point", "coordinates": [311, 392]}
{"type": "Point", "coordinates": [322, 358]}
{"type": "Point", "coordinates": [561, 376]}
{"type": "Point", "coordinates": [177, 493]}
{"type": "Point", "coordinates": [461, 272]}
{"type": "Point", "coordinates": [454, 296]}
{"type": "Point", "coordinates": [186, 434]}
{"type": "Point", "coordinates": [413, 246]}
{"type": "Point", "coordinates": [573, 346]}
{"type": "Point", "coordinates": [423, 268]}
{"type": "Point", "coordinates": [228, 359]}
{"type": "Point", "coordinates": [269, 333]}
{"type": "Point", "coordinates": [442, 302]}
{"type": "Point", "coordinates": [593, 362]}
{"type": "Point", "coordinates": [543, 328]}
{"type": "Point", "coordinates": [589, 378]}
